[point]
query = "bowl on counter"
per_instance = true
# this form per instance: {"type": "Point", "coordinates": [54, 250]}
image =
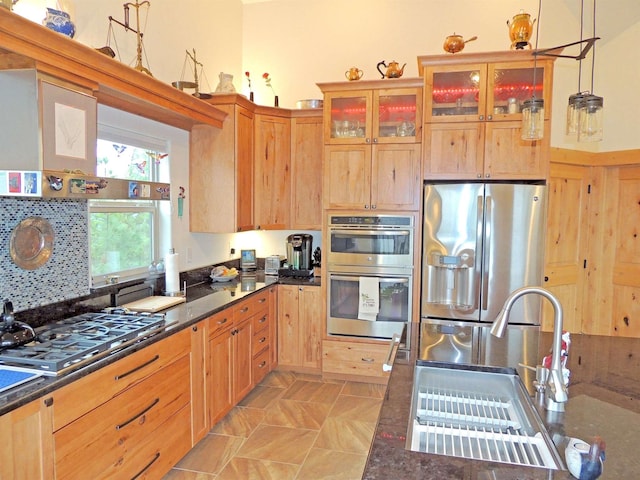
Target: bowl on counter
{"type": "Point", "coordinates": [309, 103]}
{"type": "Point", "coordinates": [223, 278]}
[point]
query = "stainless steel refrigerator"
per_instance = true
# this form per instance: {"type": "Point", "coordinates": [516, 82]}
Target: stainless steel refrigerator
{"type": "Point", "coordinates": [481, 241]}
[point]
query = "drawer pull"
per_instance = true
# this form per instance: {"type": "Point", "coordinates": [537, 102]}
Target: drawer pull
{"type": "Point", "coordinates": [119, 377]}
{"type": "Point", "coordinates": [244, 309]}
{"type": "Point", "coordinates": [157, 456]}
{"type": "Point", "coordinates": [262, 340]}
{"type": "Point", "coordinates": [262, 364]}
{"type": "Point", "coordinates": [367, 359]}
{"type": "Point", "coordinates": [263, 319]}
{"type": "Point", "coordinates": [223, 321]}
{"type": "Point", "coordinates": [262, 300]}
{"type": "Point", "coordinates": [153, 404]}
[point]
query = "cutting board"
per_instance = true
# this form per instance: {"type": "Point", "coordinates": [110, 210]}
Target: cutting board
{"type": "Point", "coordinates": [154, 304]}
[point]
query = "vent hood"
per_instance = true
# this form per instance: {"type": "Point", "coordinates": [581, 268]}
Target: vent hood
{"type": "Point", "coordinates": [54, 184]}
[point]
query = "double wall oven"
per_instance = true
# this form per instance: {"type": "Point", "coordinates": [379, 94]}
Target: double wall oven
{"type": "Point", "coordinates": [369, 257]}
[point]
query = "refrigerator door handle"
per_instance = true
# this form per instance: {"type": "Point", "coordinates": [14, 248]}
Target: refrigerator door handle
{"type": "Point", "coordinates": [486, 251]}
{"type": "Point", "coordinates": [477, 277]}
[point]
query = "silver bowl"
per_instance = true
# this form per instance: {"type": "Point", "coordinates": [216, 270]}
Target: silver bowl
{"type": "Point", "coordinates": [312, 103]}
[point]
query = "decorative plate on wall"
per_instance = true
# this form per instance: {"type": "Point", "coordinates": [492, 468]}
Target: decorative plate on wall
{"type": "Point", "coordinates": [31, 243]}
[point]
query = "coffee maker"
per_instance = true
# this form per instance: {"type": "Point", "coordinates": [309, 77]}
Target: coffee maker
{"type": "Point", "coordinates": [299, 256]}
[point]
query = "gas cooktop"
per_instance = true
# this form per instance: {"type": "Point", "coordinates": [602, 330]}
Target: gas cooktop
{"type": "Point", "coordinates": [79, 340]}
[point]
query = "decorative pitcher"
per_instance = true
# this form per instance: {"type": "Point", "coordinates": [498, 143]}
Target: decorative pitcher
{"type": "Point", "coordinates": [520, 30]}
{"type": "Point", "coordinates": [60, 22]}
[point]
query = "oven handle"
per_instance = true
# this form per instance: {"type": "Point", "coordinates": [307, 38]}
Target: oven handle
{"type": "Point", "coordinates": [381, 279]}
{"type": "Point", "coordinates": [386, 231]}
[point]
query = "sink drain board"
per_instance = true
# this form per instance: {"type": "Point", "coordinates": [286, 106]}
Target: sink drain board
{"type": "Point", "coordinates": [475, 427]}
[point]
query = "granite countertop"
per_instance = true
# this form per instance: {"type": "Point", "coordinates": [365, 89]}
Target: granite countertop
{"type": "Point", "coordinates": [591, 410]}
{"type": "Point", "coordinates": [203, 300]}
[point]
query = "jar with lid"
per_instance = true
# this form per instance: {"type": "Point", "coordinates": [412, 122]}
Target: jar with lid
{"type": "Point", "coordinates": [512, 105]}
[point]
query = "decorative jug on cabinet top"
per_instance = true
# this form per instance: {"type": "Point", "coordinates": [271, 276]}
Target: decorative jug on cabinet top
{"type": "Point", "coordinates": [353, 73]}
{"type": "Point", "coordinates": [393, 71]}
{"type": "Point", "coordinates": [520, 30]}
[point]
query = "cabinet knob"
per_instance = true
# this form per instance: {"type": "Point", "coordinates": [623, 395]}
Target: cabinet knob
{"type": "Point", "coordinates": [366, 207]}
{"type": "Point", "coordinates": [487, 175]}
{"type": "Point", "coordinates": [194, 328]}
{"type": "Point", "coordinates": [546, 279]}
{"type": "Point", "coordinates": [375, 140]}
{"type": "Point", "coordinates": [373, 207]}
{"type": "Point", "coordinates": [479, 175]}
{"type": "Point", "coordinates": [367, 140]}
{"type": "Point", "coordinates": [489, 117]}
{"type": "Point", "coordinates": [481, 117]}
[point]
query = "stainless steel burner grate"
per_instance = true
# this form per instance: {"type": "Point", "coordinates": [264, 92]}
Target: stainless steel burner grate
{"type": "Point", "coordinates": [76, 339]}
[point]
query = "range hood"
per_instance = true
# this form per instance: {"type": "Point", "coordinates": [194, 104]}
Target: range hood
{"type": "Point", "coordinates": [55, 184]}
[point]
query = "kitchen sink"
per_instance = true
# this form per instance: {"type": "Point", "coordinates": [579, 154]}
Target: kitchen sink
{"type": "Point", "coordinates": [477, 412]}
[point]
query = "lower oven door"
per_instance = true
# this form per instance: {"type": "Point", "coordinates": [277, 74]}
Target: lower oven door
{"type": "Point", "coordinates": [343, 306]}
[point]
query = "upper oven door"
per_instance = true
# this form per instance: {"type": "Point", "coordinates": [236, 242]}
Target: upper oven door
{"type": "Point", "coordinates": [377, 245]}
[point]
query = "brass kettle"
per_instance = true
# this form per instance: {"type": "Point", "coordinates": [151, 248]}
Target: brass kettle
{"type": "Point", "coordinates": [520, 30]}
{"type": "Point", "coordinates": [393, 71]}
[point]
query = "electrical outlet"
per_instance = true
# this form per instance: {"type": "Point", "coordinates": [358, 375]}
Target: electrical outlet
{"type": "Point", "coordinates": [232, 251]}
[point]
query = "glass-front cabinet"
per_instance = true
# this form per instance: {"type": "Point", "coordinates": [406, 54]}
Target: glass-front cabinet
{"type": "Point", "coordinates": [485, 92]}
{"type": "Point", "coordinates": [374, 115]}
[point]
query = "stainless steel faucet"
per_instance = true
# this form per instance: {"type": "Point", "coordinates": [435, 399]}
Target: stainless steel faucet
{"type": "Point", "coordinates": [555, 392]}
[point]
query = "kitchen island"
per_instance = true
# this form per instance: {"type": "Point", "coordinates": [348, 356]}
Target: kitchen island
{"type": "Point", "coordinates": [591, 410]}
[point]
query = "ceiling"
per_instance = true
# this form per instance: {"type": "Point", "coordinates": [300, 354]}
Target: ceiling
{"type": "Point", "coordinates": [612, 16]}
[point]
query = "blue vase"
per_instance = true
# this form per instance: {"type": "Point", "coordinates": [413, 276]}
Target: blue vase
{"type": "Point", "coordinates": [60, 22]}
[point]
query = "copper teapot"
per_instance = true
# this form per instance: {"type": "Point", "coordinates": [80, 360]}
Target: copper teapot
{"type": "Point", "coordinates": [454, 43]}
{"type": "Point", "coordinates": [520, 30]}
{"type": "Point", "coordinates": [393, 71]}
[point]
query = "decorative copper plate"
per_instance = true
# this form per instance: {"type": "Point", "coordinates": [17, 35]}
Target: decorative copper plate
{"type": "Point", "coordinates": [31, 243]}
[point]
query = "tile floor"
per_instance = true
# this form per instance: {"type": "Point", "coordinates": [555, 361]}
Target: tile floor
{"type": "Point", "coordinates": [291, 426]}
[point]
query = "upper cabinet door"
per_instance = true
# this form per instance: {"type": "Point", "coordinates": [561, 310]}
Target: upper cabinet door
{"type": "Point", "coordinates": [455, 93]}
{"type": "Point", "coordinates": [347, 117]}
{"type": "Point", "coordinates": [397, 115]}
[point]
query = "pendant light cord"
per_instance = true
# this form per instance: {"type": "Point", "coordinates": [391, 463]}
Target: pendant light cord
{"type": "Point", "coordinates": [535, 57]}
{"type": "Point", "coordinates": [581, 37]}
{"type": "Point", "coordinates": [593, 54]}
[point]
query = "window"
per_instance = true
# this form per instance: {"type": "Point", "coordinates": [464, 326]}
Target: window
{"type": "Point", "coordinates": [123, 234]}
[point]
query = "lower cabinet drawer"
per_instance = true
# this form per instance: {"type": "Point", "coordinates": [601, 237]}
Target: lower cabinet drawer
{"type": "Point", "coordinates": [260, 366]}
{"type": "Point", "coordinates": [260, 341]}
{"type": "Point", "coordinates": [354, 358]}
{"type": "Point", "coordinates": [85, 394]}
{"type": "Point", "coordinates": [97, 444]}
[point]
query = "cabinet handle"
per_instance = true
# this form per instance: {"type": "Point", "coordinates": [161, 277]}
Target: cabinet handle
{"type": "Point", "coordinates": [263, 319]}
{"type": "Point", "coordinates": [375, 140]}
{"type": "Point", "coordinates": [366, 207]}
{"type": "Point", "coordinates": [487, 175]}
{"type": "Point", "coordinates": [153, 404]}
{"type": "Point", "coordinates": [489, 117]}
{"type": "Point", "coordinates": [234, 331]}
{"type": "Point", "coordinates": [367, 140]}
{"type": "Point", "coordinates": [48, 402]}
{"type": "Point", "coordinates": [479, 175]}
{"type": "Point", "coordinates": [367, 360]}
{"type": "Point", "coordinates": [262, 364]}
{"type": "Point", "coordinates": [157, 456]}
{"type": "Point", "coordinates": [262, 340]}
{"type": "Point", "coordinates": [194, 328]}
{"type": "Point", "coordinates": [262, 300]}
{"type": "Point", "coordinates": [244, 310]}
{"type": "Point", "coordinates": [133, 370]}
{"type": "Point", "coordinates": [373, 207]}
{"type": "Point", "coordinates": [222, 322]}
{"type": "Point", "coordinates": [481, 117]}
{"type": "Point", "coordinates": [546, 279]}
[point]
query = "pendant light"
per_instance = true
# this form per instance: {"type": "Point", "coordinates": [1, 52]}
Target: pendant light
{"type": "Point", "coordinates": [533, 109]}
{"type": "Point", "coordinates": [590, 110]}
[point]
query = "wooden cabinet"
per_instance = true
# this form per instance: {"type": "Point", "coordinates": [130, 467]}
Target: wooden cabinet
{"type": "Point", "coordinates": [272, 182]}
{"type": "Point", "coordinates": [27, 442]}
{"type": "Point", "coordinates": [116, 415]}
{"type": "Point", "coordinates": [299, 328]}
{"type": "Point", "coordinates": [372, 137]}
{"type": "Point", "coordinates": [220, 380]}
{"type": "Point", "coordinates": [306, 170]}
{"type": "Point", "coordinates": [348, 359]}
{"type": "Point", "coordinates": [567, 244]}
{"type": "Point", "coordinates": [472, 116]}
{"type": "Point", "coordinates": [200, 373]}
{"type": "Point", "coordinates": [221, 171]}
{"type": "Point", "coordinates": [52, 126]}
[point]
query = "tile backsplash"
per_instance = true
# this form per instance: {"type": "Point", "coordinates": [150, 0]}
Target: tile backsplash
{"type": "Point", "coordinates": [66, 274]}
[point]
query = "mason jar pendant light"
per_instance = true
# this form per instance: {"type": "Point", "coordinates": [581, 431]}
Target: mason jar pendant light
{"type": "Point", "coordinates": [533, 109]}
{"type": "Point", "coordinates": [590, 116]}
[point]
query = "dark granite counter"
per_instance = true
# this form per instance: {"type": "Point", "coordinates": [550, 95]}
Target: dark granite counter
{"type": "Point", "coordinates": [591, 410]}
{"type": "Point", "coordinates": [203, 300]}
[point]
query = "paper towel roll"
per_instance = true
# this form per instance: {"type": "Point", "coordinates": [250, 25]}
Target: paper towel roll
{"type": "Point", "coordinates": [172, 274]}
